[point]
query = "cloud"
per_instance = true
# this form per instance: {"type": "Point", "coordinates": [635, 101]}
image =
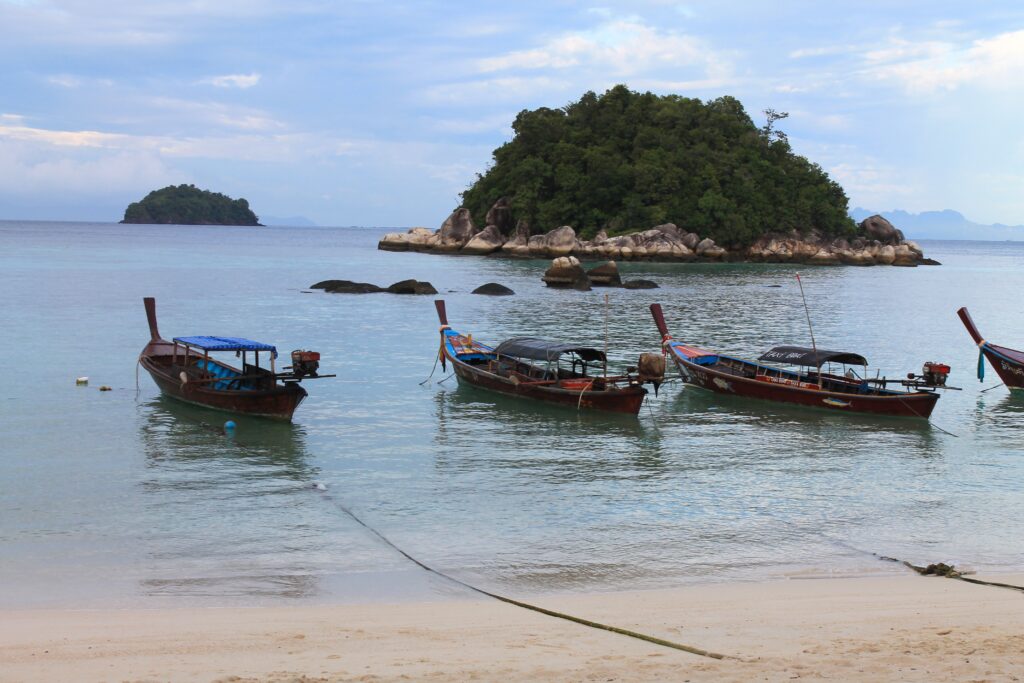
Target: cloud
{"type": "Point", "coordinates": [931, 66]}
{"type": "Point", "coordinates": [619, 48]}
{"type": "Point", "coordinates": [242, 81]}
{"type": "Point", "coordinates": [504, 89]}
{"type": "Point", "coordinates": [216, 114]}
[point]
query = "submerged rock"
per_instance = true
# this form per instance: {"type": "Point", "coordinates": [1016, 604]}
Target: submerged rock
{"type": "Point", "coordinates": [411, 287]}
{"type": "Point", "coordinates": [639, 284]}
{"type": "Point", "coordinates": [493, 289]}
{"type": "Point", "coordinates": [347, 287]}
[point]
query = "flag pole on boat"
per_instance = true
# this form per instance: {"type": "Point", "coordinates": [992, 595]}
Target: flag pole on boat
{"type": "Point", "coordinates": [807, 312]}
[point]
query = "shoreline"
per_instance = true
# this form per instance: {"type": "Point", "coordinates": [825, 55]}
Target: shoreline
{"type": "Point", "coordinates": [865, 628]}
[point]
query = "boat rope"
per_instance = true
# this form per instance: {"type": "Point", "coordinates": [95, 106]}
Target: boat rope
{"type": "Point", "coordinates": [519, 603]}
{"type": "Point", "coordinates": [928, 420]}
{"type": "Point", "coordinates": [436, 358]}
{"type": "Point", "coordinates": [654, 420]}
{"type": "Point", "coordinates": [937, 569]}
{"type": "Point", "coordinates": [1001, 384]}
{"type": "Point", "coordinates": [442, 381]}
{"type": "Point", "coordinates": [948, 571]}
{"type": "Point", "coordinates": [579, 403]}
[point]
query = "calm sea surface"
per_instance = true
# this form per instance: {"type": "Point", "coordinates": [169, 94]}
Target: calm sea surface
{"type": "Point", "coordinates": [127, 498]}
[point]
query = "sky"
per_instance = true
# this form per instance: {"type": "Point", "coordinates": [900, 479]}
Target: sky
{"type": "Point", "coordinates": [381, 113]}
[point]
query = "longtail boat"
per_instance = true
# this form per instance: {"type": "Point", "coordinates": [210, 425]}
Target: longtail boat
{"type": "Point", "coordinates": [184, 369]}
{"type": "Point", "coordinates": [793, 374]}
{"type": "Point", "coordinates": [1008, 363]}
{"type": "Point", "coordinates": [533, 368]}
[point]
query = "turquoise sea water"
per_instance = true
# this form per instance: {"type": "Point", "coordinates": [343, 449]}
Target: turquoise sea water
{"type": "Point", "coordinates": [127, 498]}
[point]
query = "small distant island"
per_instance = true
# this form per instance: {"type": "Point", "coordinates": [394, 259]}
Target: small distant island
{"type": "Point", "coordinates": [188, 205]}
{"type": "Point", "coordinates": [637, 176]}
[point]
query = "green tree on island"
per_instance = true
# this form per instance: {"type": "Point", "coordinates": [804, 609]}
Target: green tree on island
{"type": "Point", "coordinates": [188, 205]}
{"type": "Point", "coordinates": [626, 161]}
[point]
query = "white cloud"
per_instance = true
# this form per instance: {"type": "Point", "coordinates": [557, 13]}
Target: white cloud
{"type": "Point", "coordinates": [241, 81]}
{"type": "Point", "coordinates": [217, 114]}
{"type": "Point", "coordinates": [620, 48]}
{"type": "Point", "coordinates": [930, 66]}
{"type": "Point", "coordinates": [505, 89]}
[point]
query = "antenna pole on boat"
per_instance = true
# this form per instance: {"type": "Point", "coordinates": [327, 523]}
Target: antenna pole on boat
{"type": "Point", "coordinates": [606, 336]}
{"type": "Point", "coordinates": [814, 347]}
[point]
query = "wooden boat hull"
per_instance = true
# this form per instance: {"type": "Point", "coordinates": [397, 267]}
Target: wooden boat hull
{"type": "Point", "coordinates": [278, 403]}
{"type": "Point", "coordinates": [273, 400]}
{"type": "Point", "coordinates": [627, 400]}
{"type": "Point", "coordinates": [480, 366]}
{"type": "Point", "coordinates": [920, 404]}
{"type": "Point", "coordinates": [735, 377]}
{"type": "Point", "coordinates": [1008, 363]}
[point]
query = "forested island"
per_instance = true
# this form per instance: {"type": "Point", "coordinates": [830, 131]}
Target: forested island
{"type": "Point", "coordinates": [188, 205]}
{"type": "Point", "coordinates": [637, 175]}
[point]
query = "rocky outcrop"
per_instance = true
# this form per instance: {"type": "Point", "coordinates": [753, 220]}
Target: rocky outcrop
{"type": "Point", "coordinates": [605, 275]}
{"type": "Point", "coordinates": [877, 242]}
{"type": "Point", "coordinates": [493, 289]}
{"type": "Point", "coordinates": [456, 231]}
{"type": "Point", "coordinates": [486, 241]}
{"type": "Point", "coordinates": [566, 273]}
{"type": "Point", "coordinates": [878, 228]}
{"type": "Point", "coordinates": [500, 216]}
{"type": "Point", "coordinates": [559, 242]}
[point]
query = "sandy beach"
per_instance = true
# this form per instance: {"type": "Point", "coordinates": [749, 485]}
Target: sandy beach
{"type": "Point", "coordinates": [880, 628]}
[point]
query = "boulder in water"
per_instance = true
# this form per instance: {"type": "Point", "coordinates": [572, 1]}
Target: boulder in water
{"type": "Point", "coordinates": [493, 289]}
{"type": "Point", "coordinates": [411, 287]}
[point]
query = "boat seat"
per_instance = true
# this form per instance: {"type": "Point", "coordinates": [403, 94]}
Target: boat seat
{"type": "Point", "coordinates": [225, 375]}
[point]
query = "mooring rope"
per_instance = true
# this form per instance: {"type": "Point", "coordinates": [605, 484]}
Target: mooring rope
{"type": "Point", "coordinates": [525, 605]}
{"type": "Point", "coordinates": [928, 420]}
{"type": "Point", "coordinates": [436, 358]}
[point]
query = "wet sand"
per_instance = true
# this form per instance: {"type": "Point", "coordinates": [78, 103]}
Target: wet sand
{"type": "Point", "coordinates": [863, 629]}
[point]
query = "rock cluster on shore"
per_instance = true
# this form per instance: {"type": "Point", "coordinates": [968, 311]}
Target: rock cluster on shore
{"type": "Point", "coordinates": [878, 243]}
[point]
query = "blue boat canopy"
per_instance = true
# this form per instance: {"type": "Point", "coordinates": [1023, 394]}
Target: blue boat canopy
{"type": "Point", "coordinates": [226, 344]}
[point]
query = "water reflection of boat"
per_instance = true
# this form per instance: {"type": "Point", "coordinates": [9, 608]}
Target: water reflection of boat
{"type": "Point", "coordinates": [474, 432]}
{"type": "Point", "coordinates": [224, 515]}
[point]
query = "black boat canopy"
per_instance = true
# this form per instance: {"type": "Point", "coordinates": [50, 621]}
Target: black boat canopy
{"type": "Point", "coordinates": [543, 349]}
{"type": "Point", "coordinates": [799, 355]}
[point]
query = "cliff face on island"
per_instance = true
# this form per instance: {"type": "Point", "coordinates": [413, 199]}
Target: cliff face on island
{"type": "Point", "coordinates": [876, 242]}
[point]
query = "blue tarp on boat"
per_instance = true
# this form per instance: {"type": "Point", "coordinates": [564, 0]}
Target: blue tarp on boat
{"type": "Point", "coordinates": [226, 344]}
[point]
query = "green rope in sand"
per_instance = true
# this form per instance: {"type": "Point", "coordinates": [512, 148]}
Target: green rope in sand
{"type": "Point", "coordinates": [526, 605]}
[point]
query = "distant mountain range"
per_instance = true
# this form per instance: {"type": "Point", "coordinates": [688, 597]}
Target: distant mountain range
{"type": "Point", "coordinates": [943, 225]}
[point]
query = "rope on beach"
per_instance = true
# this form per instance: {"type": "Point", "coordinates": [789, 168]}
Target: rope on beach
{"type": "Point", "coordinates": [938, 569]}
{"type": "Point", "coordinates": [525, 605]}
{"type": "Point", "coordinates": [948, 571]}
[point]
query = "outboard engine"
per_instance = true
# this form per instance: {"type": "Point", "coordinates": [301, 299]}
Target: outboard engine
{"type": "Point", "coordinates": [932, 375]}
{"type": "Point", "coordinates": [305, 363]}
{"type": "Point", "coordinates": [652, 369]}
{"type": "Point", "coordinates": [935, 374]}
